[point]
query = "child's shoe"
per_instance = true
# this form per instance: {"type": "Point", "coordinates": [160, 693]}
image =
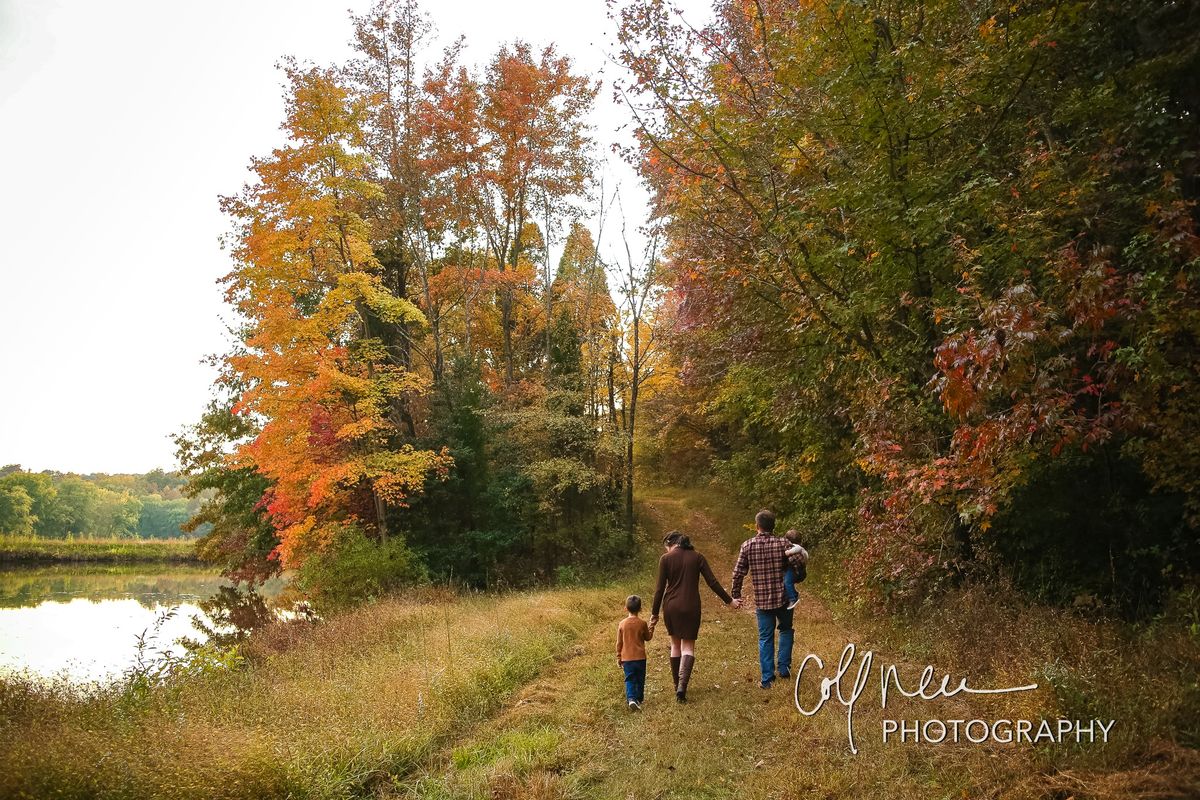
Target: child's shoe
{"type": "Point", "coordinates": [634, 705]}
{"type": "Point", "coordinates": [793, 604]}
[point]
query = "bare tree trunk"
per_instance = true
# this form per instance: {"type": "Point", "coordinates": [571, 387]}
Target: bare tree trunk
{"type": "Point", "coordinates": [548, 283]}
{"type": "Point", "coordinates": [506, 292]}
{"type": "Point", "coordinates": [381, 524]}
{"type": "Point", "coordinates": [635, 369]}
{"type": "Point", "coordinates": [612, 387]}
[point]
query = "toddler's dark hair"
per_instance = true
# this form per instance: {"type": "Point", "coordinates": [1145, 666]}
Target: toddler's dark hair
{"type": "Point", "coordinates": [633, 604]}
{"type": "Point", "coordinates": [793, 536]}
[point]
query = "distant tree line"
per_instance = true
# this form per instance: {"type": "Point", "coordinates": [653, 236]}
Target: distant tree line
{"type": "Point", "coordinates": [56, 505]}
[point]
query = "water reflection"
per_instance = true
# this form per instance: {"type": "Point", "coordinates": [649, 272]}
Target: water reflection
{"type": "Point", "coordinates": [30, 586]}
{"type": "Point", "coordinates": [232, 614]}
{"type": "Point", "coordinates": [84, 622]}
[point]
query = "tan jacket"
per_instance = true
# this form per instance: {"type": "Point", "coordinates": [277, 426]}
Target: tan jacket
{"type": "Point", "coordinates": [632, 635]}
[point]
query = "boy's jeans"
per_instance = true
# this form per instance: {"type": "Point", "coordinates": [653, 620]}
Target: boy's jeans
{"type": "Point", "coordinates": [635, 680]}
{"type": "Point", "coordinates": [789, 585]}
{"type": "Point", "coordinates": [768, 618]}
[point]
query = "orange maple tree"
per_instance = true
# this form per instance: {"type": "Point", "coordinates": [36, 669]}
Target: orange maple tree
{"type": "Point", "coordinates": [307, 282]}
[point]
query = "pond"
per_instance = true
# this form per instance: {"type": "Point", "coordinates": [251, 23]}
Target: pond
{"type": "Point", "coordinates": [83, 622]}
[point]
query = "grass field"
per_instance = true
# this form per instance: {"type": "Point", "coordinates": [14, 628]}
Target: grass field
{"type": "Point", "coordinates": [338, 710]}
{"type": "Point", "coordinates": [486, 697]}
{"type": "Point", "coordinates": [36, 550]}
{"type": "Point", "coordinates": [569, 735]}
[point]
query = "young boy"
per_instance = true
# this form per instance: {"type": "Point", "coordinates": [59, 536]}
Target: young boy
{"type": "Point", "coordinates": [632, 635]}
{"type": "Point", "coordinates": [789, 574]}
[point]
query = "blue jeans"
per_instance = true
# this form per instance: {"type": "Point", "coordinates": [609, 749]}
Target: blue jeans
{"type": "Point", "coordinates": [789, 585]}
{"type": "Point", "coordinates": [635, 680]}
{"type": "Point", "coordinates": [768, 619]}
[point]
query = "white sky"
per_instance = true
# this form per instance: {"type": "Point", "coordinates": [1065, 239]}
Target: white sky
{"type": "Point", "coordinates": [120, 124]}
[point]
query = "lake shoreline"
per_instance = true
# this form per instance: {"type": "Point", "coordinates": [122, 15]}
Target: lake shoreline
{"type": "Point", "coordinates": [29, 550]}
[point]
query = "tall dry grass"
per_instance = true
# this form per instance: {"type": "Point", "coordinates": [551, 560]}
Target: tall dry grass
{"type": "Point", "coordinates": [336, 711]}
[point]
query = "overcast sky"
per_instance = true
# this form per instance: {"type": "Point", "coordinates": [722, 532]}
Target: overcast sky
{"type": "Point", "coordinates": [120, 124]}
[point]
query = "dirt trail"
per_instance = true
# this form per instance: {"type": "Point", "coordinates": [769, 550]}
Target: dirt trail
{"type": "Point", "coordinates": [569, 734]}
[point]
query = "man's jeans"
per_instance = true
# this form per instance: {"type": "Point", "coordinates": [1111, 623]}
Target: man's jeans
{"type": "Point", "coordinates": [768, 619]}
{"type": "Point", "coordinates": [635, 680]}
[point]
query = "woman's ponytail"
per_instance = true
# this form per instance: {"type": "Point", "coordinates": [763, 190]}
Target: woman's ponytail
{"type": "Point", "coordinates": [675, 538]}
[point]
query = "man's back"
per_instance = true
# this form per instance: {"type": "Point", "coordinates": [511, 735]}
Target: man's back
{"type": "Point", "coordinates": [764, 557]}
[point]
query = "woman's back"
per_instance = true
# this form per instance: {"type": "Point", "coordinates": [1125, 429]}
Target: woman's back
{"type": "Point", "coordinates": [679, 574]}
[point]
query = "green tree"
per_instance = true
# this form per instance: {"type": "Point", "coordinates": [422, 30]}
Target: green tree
{"type": "Point", "coordinates": [43, 498]}
{"type": "Point", "coordinates": [162, 519]}
{"type": "Point", "coordinates": [16, 510]}
{"type": "Point", "coordinates": [240, 538]}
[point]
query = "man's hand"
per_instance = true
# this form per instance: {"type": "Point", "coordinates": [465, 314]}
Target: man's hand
{"type": "Point", "coordinates": [737, 602]}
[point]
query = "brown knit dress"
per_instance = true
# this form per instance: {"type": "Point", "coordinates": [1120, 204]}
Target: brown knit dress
{"type": "Point", "coordinates": [678, 592]}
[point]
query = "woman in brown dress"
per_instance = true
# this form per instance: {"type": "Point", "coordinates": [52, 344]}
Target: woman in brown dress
{"type": "Point", "coordinates": [678, 596]}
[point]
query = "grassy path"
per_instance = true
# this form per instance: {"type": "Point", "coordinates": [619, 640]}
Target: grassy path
{"type": "Point", "coordinates": [569, 735]}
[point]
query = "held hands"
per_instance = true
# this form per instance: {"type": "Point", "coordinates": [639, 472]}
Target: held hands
{"type": "Point", "coordinates": [737, 602]}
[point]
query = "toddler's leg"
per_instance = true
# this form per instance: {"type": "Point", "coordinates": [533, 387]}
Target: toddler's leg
{"type": "Point", "coordinates": [789, 586]}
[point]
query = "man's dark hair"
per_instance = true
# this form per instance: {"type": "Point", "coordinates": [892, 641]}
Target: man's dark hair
{"type": "Point", "coordinates": [633, 604]}
{"type": "Point", "coordinates": [765, 520]}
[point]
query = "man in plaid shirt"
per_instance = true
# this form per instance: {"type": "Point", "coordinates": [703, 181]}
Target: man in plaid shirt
{"type": "Point", "coordinates": [765, 557]}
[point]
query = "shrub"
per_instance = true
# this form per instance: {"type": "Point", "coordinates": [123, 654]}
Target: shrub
{"type": "Point", "coordinates": [354, 568]}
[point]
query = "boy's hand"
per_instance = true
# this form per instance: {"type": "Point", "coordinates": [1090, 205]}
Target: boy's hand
{"type": "Point", "coordinates": [737, 603]}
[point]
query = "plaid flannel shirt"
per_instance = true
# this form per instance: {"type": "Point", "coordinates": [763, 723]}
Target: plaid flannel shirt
{"type": "Point", "coordinates": [765, 558]}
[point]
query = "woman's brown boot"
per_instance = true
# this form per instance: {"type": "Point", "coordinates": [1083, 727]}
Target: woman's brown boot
{"type": "Point", "coordinates": [685, 674]}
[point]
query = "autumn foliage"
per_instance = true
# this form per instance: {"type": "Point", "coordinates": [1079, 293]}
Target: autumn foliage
{"type": "Point", "coordinates": [936, 268]}
{"type": "Point", "coordinates": [410, 369]}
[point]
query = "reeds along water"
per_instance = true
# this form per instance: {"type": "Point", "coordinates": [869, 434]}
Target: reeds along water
{"type": "Point", "coordinates": [316, 710]}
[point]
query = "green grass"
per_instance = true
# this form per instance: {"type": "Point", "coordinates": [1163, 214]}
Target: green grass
{"type": "Point", "coordinates": [36, 550]}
